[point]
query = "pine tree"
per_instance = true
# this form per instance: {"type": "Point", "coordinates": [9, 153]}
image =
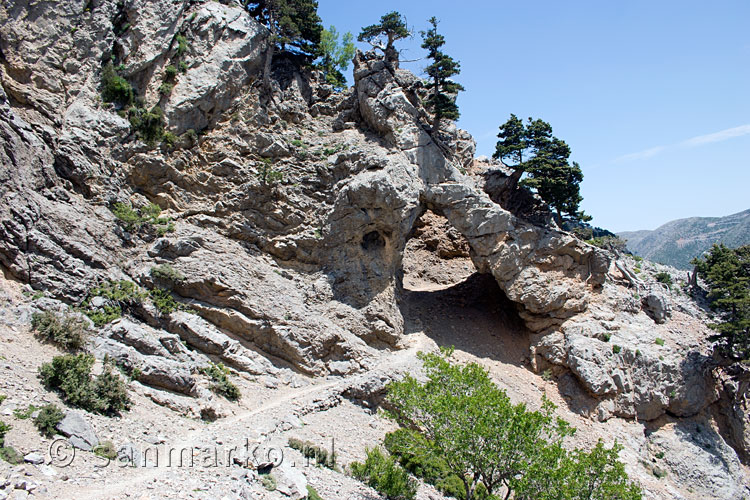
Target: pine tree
{"type": "Point", "coordinates": [294, 25]}
{"type": "Point", "coordinates": [335, 57]}
{"type": "Point", "coordinates": [533, 150]}
{"type": "Point", "coordinates": [727, 273]}
{"type": "Point", "coordinates": [442, 102]}
{"type": "Point", "coordinates": [382, 36]}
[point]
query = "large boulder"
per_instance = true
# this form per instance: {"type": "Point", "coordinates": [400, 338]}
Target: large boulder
{"type": "Point", "coordinates": [78, 430]}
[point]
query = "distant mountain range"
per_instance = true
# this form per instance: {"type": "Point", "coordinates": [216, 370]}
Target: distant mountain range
{"type": "Point", "coordinates": [676, 243]}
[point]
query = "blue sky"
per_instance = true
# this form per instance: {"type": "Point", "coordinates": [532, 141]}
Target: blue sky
{"type": "Point", "coordinates": [652, 96]}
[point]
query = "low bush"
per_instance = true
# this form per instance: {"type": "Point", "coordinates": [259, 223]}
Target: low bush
{"type": "Point", "coordinates": [170, 72]}
{"type": "Point", "coordinates": [24, 414]}
{"type": "Point", "coordinates": [167, 272]}
{"type": "Point", "coordinates": [312, 494]}
{"type": "Point", "coordinates": [10, 455]}
{"type": "Point", "coordinates": [67, 331]}
{"type": "Point", "coordinates": [383, 473]}
{"type": "Point", "coordinates": [659, 341]}
{"type": "Point", "coordinates": [118, 294]}
{"type": "Point", "coordinates": [616, 349]}
{"type": "Point", "coordinates": [321, 456]}
{"type": "Point", "coordinates": [147, 124]}
{"type": "Point", "coordinates": [268, 482]}
{"type": "Point", "coordinates": [164, 301]}
{"type": "Point", "coordinates": [115, 88]}
{"type": "Point", "coordinates": [71, 376]}
{"type": "Point", "coordinates": [665, 278]}
{"type": "Point", "coordinates": [106, 450]}
{"type": "Point", "coordinates": [148, 216]}
{"type": "Point", "coordinates": [267, 174]}
{"type": "Point", "coordinates": [219, 375]}
{"type": "Point", "coordinates": [47, 420]}
{"type": "Point", "coordinates": [4, 429]}
{"type": "Point", "coordinates": [165, 88]}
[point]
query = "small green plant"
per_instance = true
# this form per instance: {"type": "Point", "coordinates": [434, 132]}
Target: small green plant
{"type": "Point", "coordinates": [312, 494]}
{"type": "Point", "coordinates": [659, 455]}
{"type": "Point", "coordinates": [10, 455]}
{"type": "Point", "coordinates": [47, 420]}
{"type": "Point", "coordinates": [165, 302]}
{"type": "Point", "coordinates": [71, 376]}
{"type": "Point", "coordinates": [297, 143]}
{"type": "Point", "coordinates": [148, 125]}
{"type": "Point", "coordinates": [182, 45]}
{"type": "Point", "coordinates": [115, 88]}
{"type": "Point", "coordinates": [309, 450]}
{"type": "Point", "coordinates": [182, 66]}
{"type": "Point", "coordinates": [268, 482]}
{"type": "Point", "coordinates": [219, 375]}
{"type": "Point", "coordinates": [118, 295]}
{"type": "Point", "coordinates": [665, 278]}
{"type": "Point", "coordinates": [547, 375]}
{"type": "Point", "coordinates": [4, 429]}
{"type": "Point", "coordinates": [616, 349]}
{"type": "Point", "coordinates": [383, 473]}
{"type": "Point", "coordinates": [24, 414]}
{"type": "Point", "coordinates": [659, 341]}
{"type": "Point", "coordinates": [106, 450]}
{"type": "Point", "coordinates": [637, 270]}
{"type": "Point", "coordinates": [165, 88]}
{"type": "Point", "coordinates": [637, 353]}
{"type": "Point", "coordinates": [167, 272]}
{"type": "Point", "coordinates": [148, 216]}
{"type": "Point", "coordinates": [169, 139]}
{"type": "Point", "coordinates": [67, 331]}
{"type": "Point", "coordinates": [672, 394]}
{"type": "Point", "coordinates": [606, 337]}
{"type": "Point", "coordinates": [3, 397]}
{"type": "Point", "coordinates": [170, 72]}
{"type": "Point", "coordinates": [267, 174]}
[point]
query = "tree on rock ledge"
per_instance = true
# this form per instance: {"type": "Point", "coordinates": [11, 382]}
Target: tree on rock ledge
{"type": "Point", "coordinates": [382, 36]}
{"type": "Point", "coordinates": [532, 149]}
{"type": "Point", "coordinates": [294, 24]}
{"type": "Point", "coordinates": [442, 102]}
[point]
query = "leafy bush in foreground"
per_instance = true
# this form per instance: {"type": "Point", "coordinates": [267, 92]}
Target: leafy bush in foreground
{"type": "Point", "coordinates": [47, 420]}
{"type": "Point", "coordinates": [70, 375]}
{"type": "Point", "coordinates": [382, 473]}
{"type": "Point", "coordinates": [219, 375]}
{"type": "Point", "coordinates": [67, 331]}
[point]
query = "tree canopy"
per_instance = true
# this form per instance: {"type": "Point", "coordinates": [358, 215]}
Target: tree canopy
{"type": "Point", "coordinates": [726, 271]}
{"type": "Point", "coordinates": [532, 149]}
{"type": "Point", "coordinates": [442, 101]}
{"type": "Point", "coordinates": [335, 56]}
{"type": "Point", "coordinates": [383, 35]}
{"type": "Point", "coordinates": [294, 25]}
{"type": "Point", "coordinates": [473, 427]}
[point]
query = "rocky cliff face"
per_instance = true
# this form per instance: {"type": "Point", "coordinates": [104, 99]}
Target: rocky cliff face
{"type": "Point", "coordinates": [301, 274]}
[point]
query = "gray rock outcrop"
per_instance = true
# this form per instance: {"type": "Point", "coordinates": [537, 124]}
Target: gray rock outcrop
{"type": "Point", "coordinates": [78, 430]}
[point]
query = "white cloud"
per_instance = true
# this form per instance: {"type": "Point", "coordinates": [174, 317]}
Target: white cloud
{"type": "Point", "coordinates": [640, 155]}
{"type": "Point", "coordinates": [722, 135]}
{"type": "Point", "coordinates": [693, 142]}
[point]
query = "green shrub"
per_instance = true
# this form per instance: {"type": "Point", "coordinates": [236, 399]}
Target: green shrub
{"type": "Point", "coordinates": [665, 278]}
{"type": "Point", "coordinates": [4, 429]}
{"type": "Point", "coordinates": [167, 272]}
{"type": "Point", "coordinates": [47, 420]}
{"type": "Point", "coordinates": [309, 450]}
{"type": "Point", "coordinates": [637, 258]}
{"type": "Point", "coordinates": [164, 301]}
{"type": "Point", "coordinates": [3, 397]}
{"type": "Point", "coordinates": [119, 294]}
{"type": "Point", "coordinates": [268, 482]}
{"type": "Point", "coordinates": [115, 88]}
{"type": "Point", "coordinates": [182, 45]}
{"type": "Point", "coordinates": [606, 337]}
{"type": "Point", "coordinates": [145, 217]}
{"type": "Point", "coordinates": [10, 455]}
{"type": "Point", "coordinates": [612, 243]}
{"type": "Point", "coordinates": [182, 66]}
{"type": "Point", "coordinates": [312, 494]}
{"type": "Point", "coordinates": [297, 143]}
{"type": "Point", "coordinates": [70, 375]}
{"type": "Point", "coordinates": [659, 341]}
{"type": "Point", "coordinates": [219, 375]}
{"type": "Point", "coordinates": [169, 139]}
{"type": "Point", "coordinates": [616, 349]}
{"type": "Point", "coordinates": [382, 473]}
{"type": "Point", "coordinates": [67, 331]}
{"type": "Point", "coordinates": [24, 414]}
{"type": "Point", "coordinates": [106, 450]}
{"type": "Point", "coordinates": [170, 72]}
{"type": "Point", "coordinates": [165, 88]}
{"type": "Point", "coordinates": [267, 174]}
{"type": "Point", "coordinates": [148, 125]}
